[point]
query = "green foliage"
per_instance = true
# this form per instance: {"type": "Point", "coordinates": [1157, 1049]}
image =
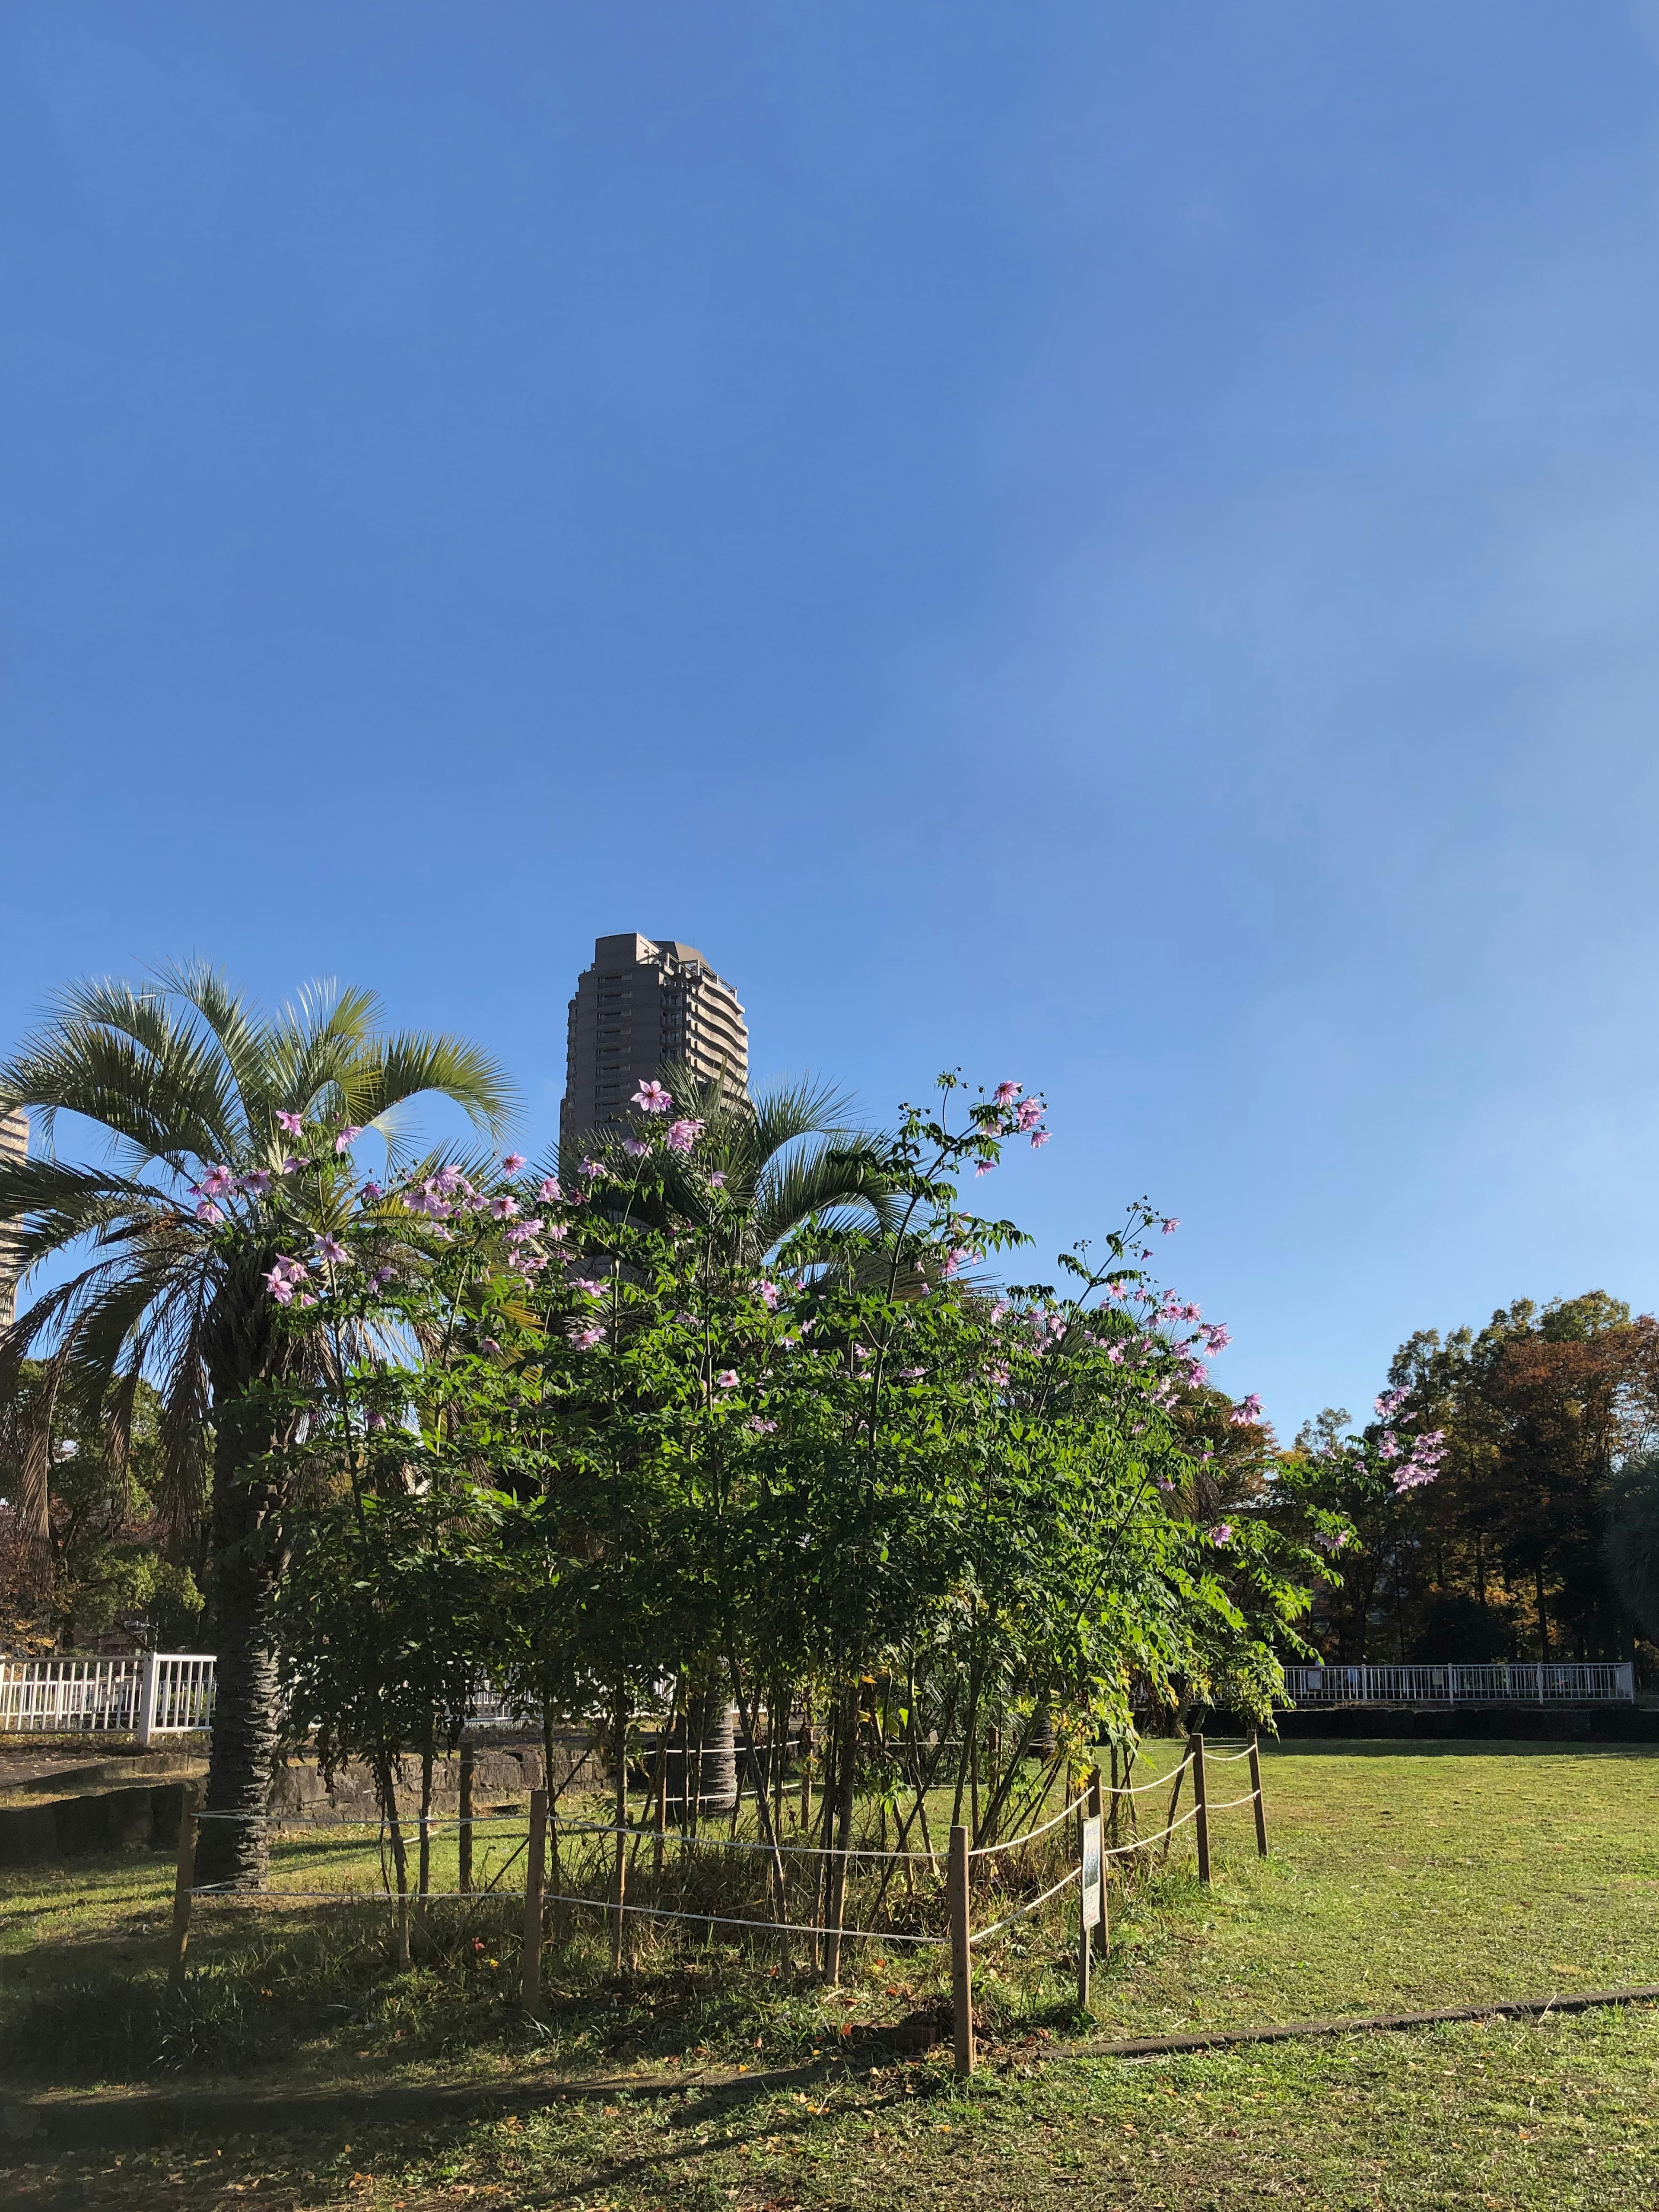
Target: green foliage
{"type": "Point", "coordinates": [602, 1445]}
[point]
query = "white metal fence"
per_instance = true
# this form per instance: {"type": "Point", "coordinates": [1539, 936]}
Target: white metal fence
{"type": "Point", "coordinates": [150, 1694]}
{"type": "Point", "coordinates": [153, 1693]}
{"type": "Point", "coordinates": [1528, 1682]}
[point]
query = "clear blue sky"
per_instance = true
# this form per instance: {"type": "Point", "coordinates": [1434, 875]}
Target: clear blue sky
{"type": "Point", "coordinates": [1115, 546]}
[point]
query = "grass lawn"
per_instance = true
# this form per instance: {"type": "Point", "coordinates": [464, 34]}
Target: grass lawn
{"type": "Point", "coordinates": [1403, 1876]}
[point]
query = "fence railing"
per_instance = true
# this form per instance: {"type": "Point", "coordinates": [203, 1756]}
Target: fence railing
{"type": "Point", "coordinates": [150, 1694]}
{"type": "Point", "coordinates": [1531, 1682]}
{"type": "Point", "coordinates": [969, 1875]}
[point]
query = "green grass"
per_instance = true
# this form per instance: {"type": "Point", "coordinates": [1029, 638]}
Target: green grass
{"type": "Point", "coordinates": [1403, 1877]}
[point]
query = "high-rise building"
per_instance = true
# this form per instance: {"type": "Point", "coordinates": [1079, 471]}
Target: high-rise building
{"type": "Point", "coordinates": [645, 1003]}
{"type": "Point", "coordinates": [13, 1145]}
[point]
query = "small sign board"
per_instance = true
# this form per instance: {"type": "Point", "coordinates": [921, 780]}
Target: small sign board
{"type": "Point", "coordinates": [1091, 1867]}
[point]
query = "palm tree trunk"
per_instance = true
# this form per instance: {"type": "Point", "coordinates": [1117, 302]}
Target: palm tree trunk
{"type": "Point", "coordinates": [234, 1847]}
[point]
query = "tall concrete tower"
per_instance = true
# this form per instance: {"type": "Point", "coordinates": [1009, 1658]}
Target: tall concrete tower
{"type": "Point", "coordinates": [644, 1002]}
{"type": "Point", "coordinates": [13, 1145]}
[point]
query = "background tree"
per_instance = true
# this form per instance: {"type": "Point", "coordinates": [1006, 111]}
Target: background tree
{"type": "Point", "coordinates": [101, 1563]}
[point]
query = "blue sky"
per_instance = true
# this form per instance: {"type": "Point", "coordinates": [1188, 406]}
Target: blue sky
{"type": "Point", "coordinates": [1114, 546]}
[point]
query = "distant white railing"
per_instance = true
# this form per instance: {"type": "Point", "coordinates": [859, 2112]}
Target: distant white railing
{"type": "Point", "coordinates": [1530, 1682]}
{"type": "Point", "coordinates": [150, 1694]}
{"type": "Point", "coordinates": [153, 1693]}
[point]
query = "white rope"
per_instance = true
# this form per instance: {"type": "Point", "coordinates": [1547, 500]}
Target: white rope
{"type": "Point", "coordinates": [1024, 1911]}
{"type": "Point", "coordinates": [1140, 1789]}
{"type": "Point", "coordinates": [988, 1851]}
{"type": "Point", "coordinates": [1247, 1799]}
{"type": "Point", "coordinates": [1225, 1758]}
{"type": "Point", "coordinates": [725, 1920]}
{"type": "Point", "coordinates": [1122, 1850]}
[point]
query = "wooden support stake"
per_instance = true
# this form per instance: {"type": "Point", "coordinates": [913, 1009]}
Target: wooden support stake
{"type": "Point", "coordinates": [962, 1957]}
{"type": "Point", "coordinates": [619, 1875]}
{"type": "Point", "coordinates": [535, 1877]}
{"type": "Point", "coordinates": [1196, 1744]}
{"type": "Point", "coordinates": [464, 1831]}
{"type": "Point", "coordinates": [183, 1881]}
{"type": "Point", "coordinates": [1085, 1926]}
{"type": "Point", "coordinates": [1260, 1809]}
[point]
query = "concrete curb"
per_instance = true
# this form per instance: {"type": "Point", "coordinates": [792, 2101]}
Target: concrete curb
{"type": "Point", "coordinates": [1225, 2039]}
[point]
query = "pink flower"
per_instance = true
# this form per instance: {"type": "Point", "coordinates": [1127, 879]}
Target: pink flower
{"type": "Point", "coordinates": [587, 1286]}
{"type": "Point", "coordinates": [488, 1344]}
{"type": "Point", "coordinates": [685, 1321]}
{"type": "Point", "coordinates": [717, 1180]}
{"type": "Point", "coordinates": [294, 1162]}
{"type": "Point", "coordinates": [984, 1167]}
{"type": "Point", "coordinates": [682, 1135]}
{"type": "Point", "coordinates": [207, 1211]}
{"type": "Point", "coordinates": [1039, 1139]}
{"type": "Point", "coordinates": [347, 1136]}
{"type": "Point", "coordinates": [1007, 1092]}
{"type": "Point", "coordinates": [372, 1191]}
{"type": "Point", "coordinates": [1247, 1412]}
{"type": "Point", "coordinates": [520, 1230]}
{"type": "Point", "coordinates": [331, 1249]}
{"type": "Point", "coordinates": [256, 1181]}
{"type": "Point", "coordinates": [652, 1098]}
{"type": "Point", "coordinates": [587, 1338]}
{"type": "Point", "coordinates": [293, 1123]}
{"type": "Point", "coordinates": [376, 1421]}
{"type": "Point", "coordinates": [634, 1147]}
{"type": "Point", "coordinates": [591, 1168]}
{"type": "Point", "coordinates": [504, 1208]}
{"type": "Point", "coordinates": [768, 1296]}
{"type": "Point", "coordinates": [554, 1230]}
{"type": "Point", "coordinates": [1221, 1533]}
{"type": "Point", "coordinates": [760, 1428]}
{"type": "Point", "coordinates": [279, 1286]}
{"type": "Point", "coordinates": [1028, 1114]}
{"type": "Point", "coordinates": [513, 1162]}
{"type": "Point", "coordinates": [549, 1190]}
{"type": "Point", "coordinates": [1170, 1226]}
{"type": "Point", "coordinates": [727, 1379]}
{"type": "Point", "coordinates": [218, 1182]}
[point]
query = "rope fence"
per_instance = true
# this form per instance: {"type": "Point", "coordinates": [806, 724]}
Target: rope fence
{"type": "Point", "coordinates": [536, 1828]}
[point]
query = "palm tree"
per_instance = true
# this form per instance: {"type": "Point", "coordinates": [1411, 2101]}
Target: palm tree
{"type": "Point", "coordinates": [166, 1280]}
{"type": "Point", "coordinates": [786, 1158]}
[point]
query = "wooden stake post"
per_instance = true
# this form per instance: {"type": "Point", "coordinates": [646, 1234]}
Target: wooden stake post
{"type": "Point", "coordinates": [464, 1829]}
{"type": "Point", "coordinates": [1195, 1745]}
{"type": "Point", "coordinates": [535, 1879]}
{"type": "Point", "coordinates": [1255, 1784]}
{"type": "Point", "coordinates": [962, 1957]}
{"type": "Point", "coordinates": [183, 1881]}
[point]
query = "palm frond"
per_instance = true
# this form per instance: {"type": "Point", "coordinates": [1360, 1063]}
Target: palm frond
{"type": "Point", "coordinates": [397, 1068]}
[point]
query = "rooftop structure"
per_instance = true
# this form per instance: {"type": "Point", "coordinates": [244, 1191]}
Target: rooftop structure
{"type": "Point", "coordinates": [647, 1003]}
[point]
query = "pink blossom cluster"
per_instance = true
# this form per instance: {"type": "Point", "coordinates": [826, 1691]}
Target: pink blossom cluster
{"type": "Point", "coordinates": [1024, 1117]}
{"type": "Point", "coordinates": [288, 1283]}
